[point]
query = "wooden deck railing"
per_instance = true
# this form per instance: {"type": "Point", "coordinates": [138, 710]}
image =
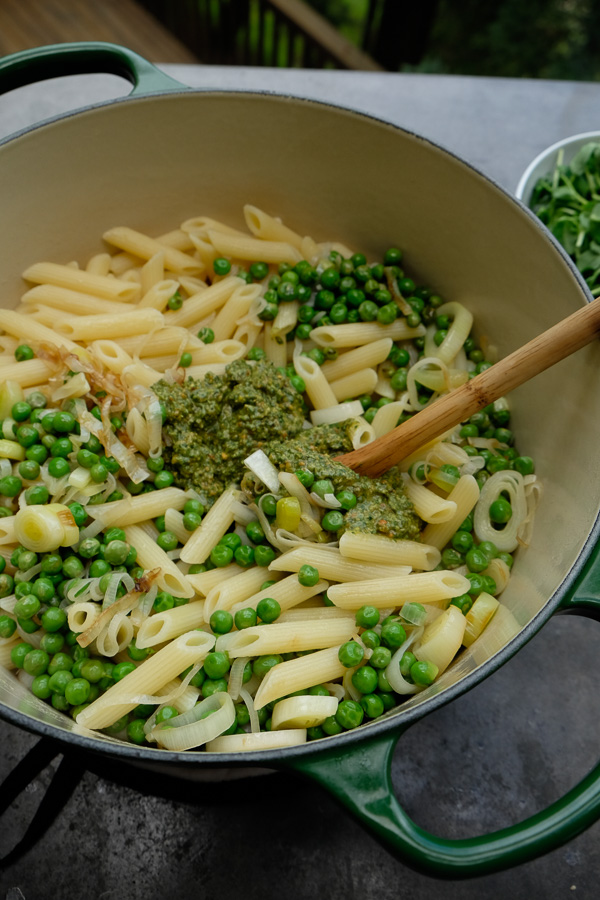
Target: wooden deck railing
{"type": "Point", "coordinates": [286, 33]}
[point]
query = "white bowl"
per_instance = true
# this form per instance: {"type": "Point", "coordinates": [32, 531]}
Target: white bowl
{"type": "Point", "coordinates": [545, 161]}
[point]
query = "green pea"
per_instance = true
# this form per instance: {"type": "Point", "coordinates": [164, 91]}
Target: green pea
{"type": "Point", "coordinates": [308, 575]}
{"type": "Point", "coordinates": [221, 621]}
{"type": "Point", "coordinates": [365, 679]}
{"type": "Point", "coordinates": [464, 603]}
{"type": "Point", "coordinates": [500, 511]}
{"type": "Point", "coordinates": [370, 639]}
{"type": "Point", "coordinates": [392, 634]}
{"type": "Point", "coordinates": [221, 266]}
{"type": "Point", "coordinates": [37, 495]}
{"type": "Point", "coordinates": [92, 670]}
{"type": "Point", "coordinates": [381, 657]}
{"type": "Point", "coordinates": [36, 662]}
{"type": "Point", "coordinates": [244, 556]}
{"type": "Point", "coordinates": [245, 618]}
{"type": "Point", "coordinates": [40, 686]}
{"type": "Point", "coordinates": [524, 465]}
{"type": "Point", "coordinates": [423, 672]}
{"type": "Point", "coordinates": [349, 714]}
{"type": "Point", "coordinates": [122, 669]}
{"type": "Point", "coordinates": [264, 555]}
{"type": "Point", "coordinates": [350, 654]}
{"type": "Point", "coordinates": [476, 560]}
{"type": "Point", "coordinates": [79, 514]}
{"type": "Point", "coordinates": [53, 619]}
{"type": "Point", "coordinates": [268, 609]}
{"type": "Point", "coordinates": [167, 540]}
{"type": "Point", "coordinates": [163, 479]}
{"type": "Point", "coordinates": [264, 664]}
{"type": "Point", "coordinates": [373, 705]}
{"type": "Point", "coordinates": [367, 617]}
{"type": "Point", "coordinates": [206, 335]}
{"type": "Point", "coordinates": [29, 469]}
{"type": "Point", "coordinates": [333, 520]}
{"type": "Point", "coordinates": [27, 606]}
{"type": "Point", "coordinates": [331, 726]}
{"type": "Point", "coordinates": [216, 664]}
{"type": "Point", "coordinates": [462, 541]}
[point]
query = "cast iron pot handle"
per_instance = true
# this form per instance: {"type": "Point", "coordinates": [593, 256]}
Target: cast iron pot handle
{"type": "Point", "coordinates": [82, 58]}
{"type": "Point", "coordinates": [360, 778]}
{"type": "Point", "coordinates": [64, 781]}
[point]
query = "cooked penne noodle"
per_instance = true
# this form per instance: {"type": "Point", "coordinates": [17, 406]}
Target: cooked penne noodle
{"type": "Point", "coordinates": [99, 264]}
{"type": "Point", "coordinates": [212, 528]}
{"type": "Point", "coordinates": [203, 582]}
{"type": "Point", "coordinates": [75, 302]}
{"type": "Point", "coordinates": [268, 228]}
{"type": "Point", "coordinates": [355, 335]}
{"type": "Point", "coordinates": [89, 328]}
{"type": "Point", "coordinates": [317, 387]}
{"type": "Point", "coordinates": [200, 305]}
{"type": "Point", "coordinates": [235, 590]}
{"type": "Point", "coordinates": [286, 318]}
{"type": "Point", "coordinates": [140, 374]}
{"type": "Point", "coordinates": [288, 592]}
{"type": "Point", "coordinates": [145, 247]}
{"type": "Point", "coordinates": [376, 548]}
{"type": "Point", "coordinates": [386, 417]}
{"type": "Point", "coordinates": [428, 506]}
{"type": "Point", "coordinates": [465, 494]}
{"type": "Point", "coordinates": [299, 674]}
{"type": "Point", "coordinates": [235, 307]}
{"type": "Point", "coordinates": [275, 346]}
{"type": "Point", "coordinates": [138, 508]}
{"type": "Point", "coordinates": [287, 637]}
{"type": "Point", "coordinates": [341, 412]}
{"type": "Point", "coordinates": [186, 650]}
{"type": "Point", "coordinates": [153, 273]}
{"type": "Point", "coordinates": [28, 373]}
{"type": "Point", "coordinates": [355, 384]}
{"type": "Point", "coordinates": [333, 566]}
{"type": "Point", "coordinates": [164, 626]}
{"type": "Point", "coordinates": [103, 286]}
{"type": "Point", "coordinates": [158, 294]}
{"type": "Point", "coordinates": [249, 248]}
{"type": "Point", "coordinates": [171, 339]}
{"type": "Point", "coordinates": [174, 524]}
{"type": "Point", "coordinates": [110, 354]}
{"type": "Point", "coordinates": [364, 357]}
{"type": "Point", "coordinates": [150, 556]}
{"type": "Point", "coordinates": [420, 587]}
{"type": "Point", "coordinates": [22, 326]}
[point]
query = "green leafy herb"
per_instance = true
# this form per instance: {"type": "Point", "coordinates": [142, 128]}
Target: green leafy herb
{"type": "Point", "coordinates": [568, 202]}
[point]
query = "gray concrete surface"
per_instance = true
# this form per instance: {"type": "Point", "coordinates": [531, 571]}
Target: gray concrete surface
{"type": "Point", "coordinates": [496, 755]}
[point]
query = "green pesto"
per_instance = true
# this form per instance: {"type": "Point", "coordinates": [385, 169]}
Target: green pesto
{"type": "Point", "coordinates": [213, 425]}
{"type": "Point", "coordinates": [382, 508]}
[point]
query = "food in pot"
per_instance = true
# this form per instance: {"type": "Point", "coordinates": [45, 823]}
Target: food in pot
{"type": "Point", "coordinates": [184, 563]}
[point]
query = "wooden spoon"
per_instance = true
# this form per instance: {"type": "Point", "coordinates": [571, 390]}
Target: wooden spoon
{"type": "Point", "coordinates": [550, 347]}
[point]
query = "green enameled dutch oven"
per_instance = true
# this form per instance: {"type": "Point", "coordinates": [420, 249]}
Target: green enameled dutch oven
{"type": "Point", "coordinates": [166, 153]}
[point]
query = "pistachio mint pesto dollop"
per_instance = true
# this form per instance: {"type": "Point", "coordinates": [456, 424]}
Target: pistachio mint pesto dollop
{"type": "Point", "coordinates": [382, 506]}
{"type": "Point", "coordinates": [213, 425]}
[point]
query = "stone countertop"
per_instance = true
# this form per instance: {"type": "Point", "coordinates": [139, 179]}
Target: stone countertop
{"type": "Point", "coordinates": [494, 756]}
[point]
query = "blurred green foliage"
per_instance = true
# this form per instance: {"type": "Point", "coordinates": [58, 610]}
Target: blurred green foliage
{"type": "Point", "coordinates": [557, 39]}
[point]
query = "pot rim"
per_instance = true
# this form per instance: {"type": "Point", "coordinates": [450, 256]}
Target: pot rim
{"type": "Point", "coordinates": [396, 720]}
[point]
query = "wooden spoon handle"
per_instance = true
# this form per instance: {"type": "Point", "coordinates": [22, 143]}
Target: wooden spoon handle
{"type": "Point", "coordinates": [548, 348]}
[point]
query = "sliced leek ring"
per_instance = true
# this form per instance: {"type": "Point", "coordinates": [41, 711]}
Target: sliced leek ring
{"type": "Point", "coordinates": [478, 617]}
{"type": "Point", "coordinates": [303, 712]}
{"type": "Point", "coordinates": [442, 638]}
